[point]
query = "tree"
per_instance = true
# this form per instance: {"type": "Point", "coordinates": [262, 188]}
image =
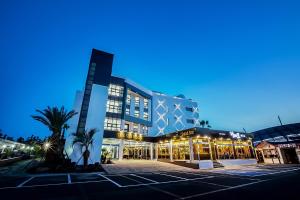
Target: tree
{"type": "Point", "coordinates": [56, 120]}
{"type": "Point", "coordinates": [84, 140]}
{"type": "Point", "coordinates": [21, 140]}
{"type": "Point", "coordinates": [202, 123]}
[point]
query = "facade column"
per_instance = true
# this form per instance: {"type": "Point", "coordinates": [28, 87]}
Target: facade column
{"type": "Point", "coordinates": [210, 149]}
{"type": "Point", "coordinates": [121, 148]}
{"type": "Point", "coordinates": [151, 151]}
{"type": "Point", "coordinates": [156, 151]}
{"type": "Point", "coordinates": [280, 158]}
{"type": "Point", "coordinates": [171, 150]}
{"type": "Point", "coordinates": [191, 149]}
{"type": "Point", "coordinates": [233, 147]}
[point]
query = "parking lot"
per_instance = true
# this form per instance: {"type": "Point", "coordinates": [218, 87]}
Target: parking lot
{"type": "Point", "coordinates": [147, 185]}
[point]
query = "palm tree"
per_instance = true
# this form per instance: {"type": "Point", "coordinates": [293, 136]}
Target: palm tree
{"type": "Point", "coordinates": [84, 140]}
{"type": "Point", "coordinates": [56, 120]}
{"type": "Point", "coordinates": [207, 124]}
{"type": "Point", "coordinates": [202, 123]}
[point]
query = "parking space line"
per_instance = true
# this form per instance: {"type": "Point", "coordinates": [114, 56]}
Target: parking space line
{"type": "Point", "coordinates": [144, 178]}
{"type": "Point", "coordinates": [52, 184]}
{"type": "Point", "coordinates": [223, 189]}
{"type": "Point", "coordinates": [172, 176]}
{"type": "Point", "coordinates": [226, 186]}
{"type": "Point", "coordinates": [23, 183]}
{"type": "Point", "coordinates": [117, 184]}
{"type": "Point", "coordinates": [69, 179]}
{"type": "Point", "coordinates": [278, 172]}
{"type": "Point", "coordinates": [154, 188]}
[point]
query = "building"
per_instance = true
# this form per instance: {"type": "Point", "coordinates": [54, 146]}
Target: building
{"type": "Point", "coordinates": [279, 144]}
{"type": "Point", "coordinates": [137, 123]}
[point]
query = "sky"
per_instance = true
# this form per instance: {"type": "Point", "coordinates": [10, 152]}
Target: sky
{"type": "Point", "coordinates": [240, 60]}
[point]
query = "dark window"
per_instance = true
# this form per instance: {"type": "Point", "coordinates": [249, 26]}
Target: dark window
{"type": "Point", "coordinates": [190, 121]}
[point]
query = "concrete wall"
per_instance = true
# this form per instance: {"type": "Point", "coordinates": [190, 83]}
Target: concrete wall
{"type": "Point", "coordinates": [234, 162]}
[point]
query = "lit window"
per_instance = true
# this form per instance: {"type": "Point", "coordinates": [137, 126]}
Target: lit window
{"type": "Point", "coordinates": [112, 124]}
{"type": "Point", "coordinates": [146, 103]}
{"type": "Point", "coordinates": [146, 116]}
{"type": "Point", "coordinates": [137, 101]}
{"type": "Point", "coordinates": [128, 99]}
{"type": "Point", "coordinates": [136, 113]}
{"type": "Point", "coordinates": [115, 90]}
{"type": "Point", "coordinates": [145, 130]}
{"type": "Point", "coordinates": [127, 110]}
{"type": "Point", "coordinates": [135, 128]}
{"type": "Point", "coordinates": [114, 106]}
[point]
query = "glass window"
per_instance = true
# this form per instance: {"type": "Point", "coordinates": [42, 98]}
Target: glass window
{"type": "Point", "coordinates": [136, 113]}
{"type": "Point", "coordinates": [146, 116]}
{"type": "Point", "coordinates": [189, 109]}
{"type": "Point", "coordinates": [127, 110]}
{"type": "Point", "coordinates": [114, 106]}
{"type": "Point", "coordinates": [112, 124]}
{"type": "Point", "coordinates": [137, 101]}
{"type": "Point", "coordinates": [128, 99]}
{"type": "Point", "coordinates": [135, 128]}
{"type": "Point", "coordinates": [145, 130]}
{"type": "Point", "coordinates": [146, 103]}
{"type": "Point", "coordinates": [115, 90]}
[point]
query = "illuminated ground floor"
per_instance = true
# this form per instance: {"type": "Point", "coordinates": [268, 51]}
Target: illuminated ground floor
{"type": "Point", "coordinates": [193, 145]}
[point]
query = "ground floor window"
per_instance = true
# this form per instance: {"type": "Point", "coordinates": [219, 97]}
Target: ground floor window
{"type": "Point", "coordinates": [163, 151]}
{"type": "Point", "coordinates": [136, 150]}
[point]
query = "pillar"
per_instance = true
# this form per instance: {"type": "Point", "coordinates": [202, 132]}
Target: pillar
{"type": "Point", "coordinates": [151, 151]}
{"type": "Point", "coordinates": [171, 150]}
{"type": "Point", "coordinates": [210, 149]}
{"type": "Point", "coordinates": [233, 147]}
{"type": "Point", "coordinates": [191, 149]}
{"type": "Point", "coordinates": [156, 151]}
{"type": "Point", "coordinates": [121, 148]}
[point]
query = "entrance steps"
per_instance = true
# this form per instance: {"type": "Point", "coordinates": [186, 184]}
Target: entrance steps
{"type": "Point", "coordinates": [216, 164]}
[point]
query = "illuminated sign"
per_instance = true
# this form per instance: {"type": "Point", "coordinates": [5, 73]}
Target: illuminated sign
{"type": "Point", "coordinates": [129, 135]}
{"type": "Point", "coordinates": [236, 135]}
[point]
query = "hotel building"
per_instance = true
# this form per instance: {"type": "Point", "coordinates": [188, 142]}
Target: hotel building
{"type": "Point", "coordinates": [133, 122]}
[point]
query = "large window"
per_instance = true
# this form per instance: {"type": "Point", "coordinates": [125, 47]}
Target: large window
{"type": "Point", "coordinates": [136, 113]}
{"type": "Point", "coordinates": [112, 124]}
{"type": "Point", "coordinates": [146, 102]}
{"type": "Point", "coordinates": [128, 99]}
{"type": "Point", "coordinates": [146, 116]}
{"type": "Point", "coordinates": [136, 101]}
{"type": "Point", "coordinates": [115, 90]}
{"type": "Point", "coordinates": [114, 106]}
{"type": "Point", "coordinates": [135, 128]}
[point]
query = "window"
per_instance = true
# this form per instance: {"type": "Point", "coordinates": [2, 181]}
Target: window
{"type": "Point", "coordinates": [127, 110]}
{"type": "Point", "coordinates": [190, 121]}
{"type": "Point", "coordinates": [137, 101]}
{"type": "Point", "coordinates": [128, 99]}
{"type": "Point", "coordinates": [189, 109]}
{"type": "Point", "coordinates": [114, 106]}
{"type": "Point", "coordinates": [115, 90]}
{"type": "Point", "coordinates": [146, 103]}
{"type": "Point", "coordinates": [136, 113]}
{"type": "Point", "coordinates": [145, 130]}
{"type": "Point", "coordinates": [146, 116]}
{"type": "Point", "coordinates": [135, 128]}
{"type": "Point", "coordinates": [112, 124]}
{"type": "Point", "coordinates": [126, 127]}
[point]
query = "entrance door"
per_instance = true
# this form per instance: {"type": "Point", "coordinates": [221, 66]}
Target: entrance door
{"type": "Point", "coordinates": [290, 155]}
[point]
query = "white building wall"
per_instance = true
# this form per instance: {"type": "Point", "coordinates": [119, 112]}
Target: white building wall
{"type": "Point", "coordinates": [73, 126]}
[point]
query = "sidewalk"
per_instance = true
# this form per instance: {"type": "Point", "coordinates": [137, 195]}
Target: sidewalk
{"type": "Point", "coordinates": [141, 166]}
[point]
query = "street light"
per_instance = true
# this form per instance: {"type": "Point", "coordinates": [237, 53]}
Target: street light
{"type": "Point", "coordinates": [47, 146]}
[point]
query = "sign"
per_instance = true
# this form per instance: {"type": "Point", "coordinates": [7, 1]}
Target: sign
{"type": "Point", "coordinates": [129, 135]}
{"type": "Point", "coordinates": [236, 135]}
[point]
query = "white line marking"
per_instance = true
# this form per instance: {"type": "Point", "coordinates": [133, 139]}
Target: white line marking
{"type": "Point", "coordinates": [117, 184]}
{"type": "Point", "coordinates": [145, 184]}
{"type": "Point", "coordinates": [276, 172]}
{"type": "Point", "coordinates": [144, 178]}
{"type": "Point", "coordinates": [69, 179]}
{"type": "Point", "coordinates": [172, 176]}
{"type": "Point", "coordinates": [52, 184]}
{"type": "Point", "coordinates": [220, 190]}
{"type": "Point", "coordinates": [23, 183]}
{"type": "Point", "coordinates": [226, 186]}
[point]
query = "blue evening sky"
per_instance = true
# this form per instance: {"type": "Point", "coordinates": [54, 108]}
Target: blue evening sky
{"type": "Point", "coordinates": [240, 60]}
